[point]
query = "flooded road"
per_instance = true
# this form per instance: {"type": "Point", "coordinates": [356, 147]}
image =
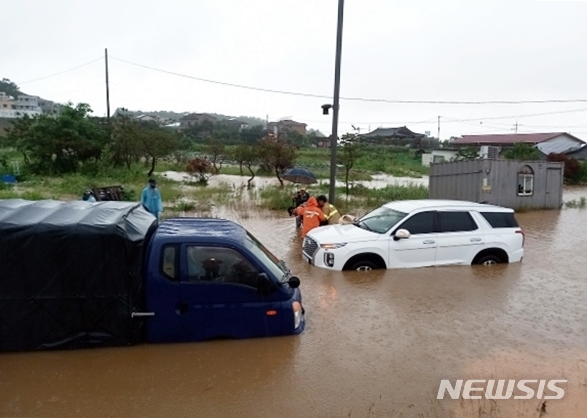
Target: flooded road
{"type": "Point", "coordinates": [375, 345]}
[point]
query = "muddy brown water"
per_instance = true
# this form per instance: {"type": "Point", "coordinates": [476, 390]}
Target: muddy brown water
{"type": "Point", "coordinates": [376, 344]}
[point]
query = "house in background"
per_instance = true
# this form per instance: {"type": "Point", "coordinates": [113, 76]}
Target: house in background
{"type": "Point", "coordinates": [391, 135]}
{"type": "Point", "coordinates": [518, 185]}
{"type": "Point", "coordinates": [235, 122]}
{"type": "Point", "coordinates": [286, 126]}
{"type": "Point", "coordinates": [439, 155]}
{"type": "Point", "coordinates": [147, 118]}
{"type": "Point", "coordinates": [546, 143]}
{"type": "Point", "coordinates": [579, 153]}
{"type": "Point", "coordinates": [195, 119]}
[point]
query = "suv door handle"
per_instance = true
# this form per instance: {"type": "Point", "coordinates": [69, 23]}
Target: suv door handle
{"type": "Point", "coordinates": [476, 239]}
{"type": "Point", "coordinates": [428, 241]}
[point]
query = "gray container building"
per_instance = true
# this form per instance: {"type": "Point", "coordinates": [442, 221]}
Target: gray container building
{"type": "Point", "coordinates": [520, 185]}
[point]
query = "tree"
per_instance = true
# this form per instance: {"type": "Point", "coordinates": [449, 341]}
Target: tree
{"type": "Point", "coordinates": [126, 144]}
{"type": "Point", "coordinates": [522, 152]}
{"type": "Point", "coordinates": [199, 168]}
{"type": "Point", "coordinates": [467, 153]}
{"type": "Point", "coordinates": [156, 143]}
{"type": "Point", "coordinates": [250, 158]}
{"type": "Point", "coordinates": [215, 149]}
{"type": "Point", "coordinates": [277, 154]}
{"type": "Point", "coordinates": [252, 135]}
{"type": "Point", "coordinates": [59, 144]}
{"type": "Point", "coordinates": [349, 154]}
{"type": "Point", "coordinates": [10, 88]}
{"type": "Point", "coordinates": [573, 170]}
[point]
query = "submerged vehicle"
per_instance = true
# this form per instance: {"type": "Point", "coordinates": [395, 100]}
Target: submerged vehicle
{"type": "Point", "coordinates": [419, 233]}
{"type": "Point", "coordinates": [78, 274]}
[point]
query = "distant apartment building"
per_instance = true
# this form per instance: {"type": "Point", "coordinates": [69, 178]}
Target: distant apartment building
{"type": "Point", "coordinates": [22, 105]}
{"type": "Point", "coordinates": [286, 126]}
{"type": "Point", "coordinates": [50, 107]}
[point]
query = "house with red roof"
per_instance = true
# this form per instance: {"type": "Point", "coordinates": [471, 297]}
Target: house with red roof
{"type": "Point", "coordinates": [547, 143]}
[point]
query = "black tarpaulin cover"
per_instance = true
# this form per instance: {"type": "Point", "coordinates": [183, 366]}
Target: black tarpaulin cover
{"type": "Point", "coordinates": [70, 273]}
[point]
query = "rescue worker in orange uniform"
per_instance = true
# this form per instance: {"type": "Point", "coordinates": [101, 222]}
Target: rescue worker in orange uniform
{"type": "Point", "coordinates": [312, 215]}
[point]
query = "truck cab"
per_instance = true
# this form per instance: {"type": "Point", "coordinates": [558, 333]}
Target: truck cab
{"type": "Point", "coordinates": [210, 278]}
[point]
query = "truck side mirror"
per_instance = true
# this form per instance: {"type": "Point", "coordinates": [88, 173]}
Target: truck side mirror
{"type": "Point", "coordinates": [264, 285]}
{"type": "Point", "coordinates": [294, 282]}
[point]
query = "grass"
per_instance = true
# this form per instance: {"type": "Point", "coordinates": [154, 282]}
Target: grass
{"type": "Point", "coordinates": [577, 204]}
{"type": "Point", "coordinates": [360, 197]}
{"type": "Point", "coordinates": [396, 161]}
{"type": "Point", "coordinates": [180, 197]}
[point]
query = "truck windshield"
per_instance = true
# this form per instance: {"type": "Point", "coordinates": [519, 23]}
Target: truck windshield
{"type": "Point", "coordinates": [380, 220]}
{"type": "Point", "coordinates": [271, 262]}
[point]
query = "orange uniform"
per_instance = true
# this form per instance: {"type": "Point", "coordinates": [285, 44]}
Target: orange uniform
{"type": "Point", "coordinates": [312, 215]}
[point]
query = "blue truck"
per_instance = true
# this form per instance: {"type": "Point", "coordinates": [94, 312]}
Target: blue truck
{"type": "Point", "coordinates": [79, 274]}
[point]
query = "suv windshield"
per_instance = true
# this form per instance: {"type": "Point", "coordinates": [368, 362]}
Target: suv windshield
{"type": "Point", "coordinates": [380, 220]}
{"type": "Point", "coordinates": [271, 262]}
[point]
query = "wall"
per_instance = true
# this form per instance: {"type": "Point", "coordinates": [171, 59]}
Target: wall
{"type": "Point", "coordinates": [496, 182]}
{"type": "Point", "coordinates": [428, 158]}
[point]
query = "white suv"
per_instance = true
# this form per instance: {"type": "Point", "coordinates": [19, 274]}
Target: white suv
{"type": "Point", "coordinates": [418, 233]}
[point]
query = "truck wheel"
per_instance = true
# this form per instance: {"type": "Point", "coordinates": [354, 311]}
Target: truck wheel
{"type": "Point", "coordinates": [488, 260]}
{"type": "Point", "coordinates": [364, 265]}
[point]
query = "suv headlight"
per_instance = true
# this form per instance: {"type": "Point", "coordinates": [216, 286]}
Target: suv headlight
{"type": "Point", "coordinates": [333, 246]}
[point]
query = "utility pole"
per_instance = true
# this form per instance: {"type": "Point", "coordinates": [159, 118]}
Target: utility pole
{"type": "Point", "coordinates": [334, 137]}
{"type": "Point", "coordinates": [439, 129]}
{"type": "Point", "coordinates": [516, 127]}
{"type": "Point", "coordinates": [107, 86]}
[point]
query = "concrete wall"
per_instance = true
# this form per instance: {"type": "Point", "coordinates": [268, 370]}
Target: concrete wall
{"type": "Point", "coordinates": [496, 182]}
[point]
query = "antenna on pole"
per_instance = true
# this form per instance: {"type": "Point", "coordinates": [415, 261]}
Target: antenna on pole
{"type": "Point", "coordinates": [107, 85]}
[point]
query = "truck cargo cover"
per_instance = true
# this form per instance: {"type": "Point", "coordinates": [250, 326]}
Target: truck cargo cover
{"type": "Point", "coordinates": [70, 273]}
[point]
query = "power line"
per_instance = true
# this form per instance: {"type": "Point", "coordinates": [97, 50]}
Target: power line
{"type": "Point", "coordinates": [518, 116]}
{"type": "Point", "coordinates": [359, 99]}
{"type": "Point", "coordinates": [61, 72]}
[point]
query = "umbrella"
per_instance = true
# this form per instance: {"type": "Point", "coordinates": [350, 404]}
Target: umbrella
{"type": "Point", "coordinates": [299, 175]}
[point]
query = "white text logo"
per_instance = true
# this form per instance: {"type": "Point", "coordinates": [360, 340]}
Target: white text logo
{"type": "Point", "coordinates": [498, 389]}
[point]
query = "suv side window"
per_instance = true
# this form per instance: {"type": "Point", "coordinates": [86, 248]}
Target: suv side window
{"type": "Point", "coordinates": [500, 219]}
{"type": "Point", "coordinates": [220, 265]}
{"type": "Point", "coordinates": [456, 222]}
{"type": "Point", "coordinates": [420, 223]}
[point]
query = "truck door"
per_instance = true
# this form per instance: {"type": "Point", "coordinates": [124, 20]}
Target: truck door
{"type": "Point", "coordinates": [219, 298]}
{"type": "Point", "coordinates": [162, 295]}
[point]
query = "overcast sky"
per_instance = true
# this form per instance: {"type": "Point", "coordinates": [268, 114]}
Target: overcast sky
{"type": "Point", "coordinates": [394, 50]}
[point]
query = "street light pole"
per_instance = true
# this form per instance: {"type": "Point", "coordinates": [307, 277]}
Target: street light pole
{"type": "Point", "coordinates": [334, 137]}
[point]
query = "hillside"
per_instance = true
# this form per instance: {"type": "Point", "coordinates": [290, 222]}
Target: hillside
{"type": "Point", "coordinates": [167, 114]}
{"type": "Point", "coordinates": [10, 88]}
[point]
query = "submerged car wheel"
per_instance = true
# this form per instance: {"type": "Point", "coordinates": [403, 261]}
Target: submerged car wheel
{"type": "Point", "coordinates": [488, 260]}
{"type": "Point", "coordinates": [365, 265]}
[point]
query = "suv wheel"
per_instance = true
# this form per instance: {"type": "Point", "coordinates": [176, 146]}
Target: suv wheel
{"type": "Point", "coordinates": [364, 266]}
{"type": "Point", "coordinates": [488, 260]}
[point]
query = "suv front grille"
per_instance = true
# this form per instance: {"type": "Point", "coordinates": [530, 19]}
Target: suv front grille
{"type": "Point", "coordinates": [310, 247]}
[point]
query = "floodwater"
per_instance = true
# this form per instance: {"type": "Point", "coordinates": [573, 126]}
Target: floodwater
{"type": "Point", "coordinates": [376, 344]}
{"type": "Point", "coordinates": [378, 180]}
